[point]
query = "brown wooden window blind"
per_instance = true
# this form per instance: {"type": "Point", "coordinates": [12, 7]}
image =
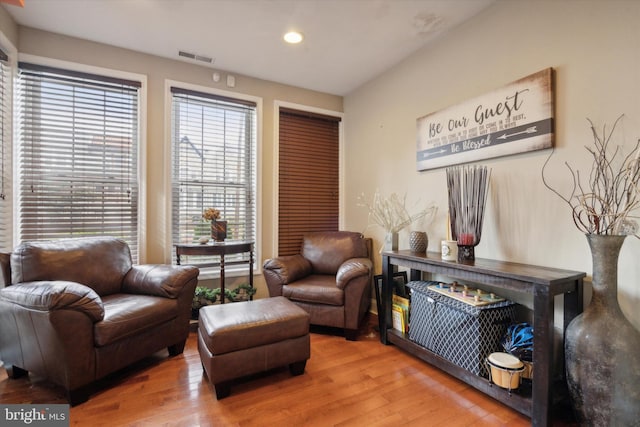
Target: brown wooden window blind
{"type": "Point", "coordinates": [308, 177]}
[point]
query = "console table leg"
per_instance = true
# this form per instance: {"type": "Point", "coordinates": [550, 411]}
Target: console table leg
{"type": "Point", "coordinates": [542, 356]}
{"type": "Point", "coordinates": [251, 271]}
{"type": "Point", "coordinates": [221, 278]}
{"type": "Point", "coordinates": [384, 318]}
{"type": "Point", "coordinates": [573, 304]}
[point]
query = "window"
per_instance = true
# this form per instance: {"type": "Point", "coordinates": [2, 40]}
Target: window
{"type": "Point", "coordinates": [214, 146]}
{"type": "Point", "coordinates": [78, 155]}
{"type": "Point", "coordinates": [308, 195]}
{"type": "Point", "coordinates": [5, 154]}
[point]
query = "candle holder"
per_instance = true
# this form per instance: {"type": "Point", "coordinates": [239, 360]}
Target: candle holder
{"type": "Point", "coordinates": [466, 246]}
{"type": "Point", "coordinates": [466, 253]}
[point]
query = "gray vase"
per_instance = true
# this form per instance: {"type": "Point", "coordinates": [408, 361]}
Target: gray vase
{"type": "Point", "coordinates": [602, 348]}
{"type": "Point", "coordinates": [418, 241]}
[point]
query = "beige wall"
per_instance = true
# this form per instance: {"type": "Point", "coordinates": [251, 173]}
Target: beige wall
{"type": "Point", "coordinates": [594, 47]}
{"type": "Point", "coordinates": [35, 42]}
{"type": "Point", "coordinates": [8, 26]}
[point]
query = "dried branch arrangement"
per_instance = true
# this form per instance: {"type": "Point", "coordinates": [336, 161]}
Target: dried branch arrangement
{"type": "Point", "coordinates": [606, 202]}
{"type": "Point", "coordinates": [391, 213]}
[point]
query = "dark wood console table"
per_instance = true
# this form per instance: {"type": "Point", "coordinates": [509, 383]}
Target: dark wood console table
{"type": "Point", "coordinates": [221, 249]}
{"type": "Point", "coordinates": [540, 282]}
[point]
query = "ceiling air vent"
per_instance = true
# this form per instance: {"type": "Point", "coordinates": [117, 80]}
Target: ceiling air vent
{"type": "Point", "coordinates": [186, 54]}
{"type": "Point", "coordinates": [195, 57]}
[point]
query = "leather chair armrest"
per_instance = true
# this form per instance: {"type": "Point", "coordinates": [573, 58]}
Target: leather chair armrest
{"type": "Point", "coordinates": [55, 295]}
{"type": "Point", "coordinates": [159, 279]}
{"type": "Point", "coordinates": [288, 268]}
{"type": "Point", "coordinates": [352, 268]}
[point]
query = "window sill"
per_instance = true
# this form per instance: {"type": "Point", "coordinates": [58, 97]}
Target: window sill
{"type": "Point", "coordinates": [211, 273]}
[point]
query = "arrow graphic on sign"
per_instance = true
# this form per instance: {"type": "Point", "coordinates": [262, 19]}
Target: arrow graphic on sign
{"type": "Point", "coordinates": [433, 153]}
{"type": "Point", "coordinates": [531, 129]}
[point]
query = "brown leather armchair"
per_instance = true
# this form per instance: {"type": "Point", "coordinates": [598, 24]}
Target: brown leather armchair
{"type": "Point", "coordinates": [75, 310]}
{"type": "Point", "coordinates": [330, 278]}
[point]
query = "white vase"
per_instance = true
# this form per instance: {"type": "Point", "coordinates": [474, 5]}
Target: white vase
{"type": "Point", "coordinates": [390, 242]}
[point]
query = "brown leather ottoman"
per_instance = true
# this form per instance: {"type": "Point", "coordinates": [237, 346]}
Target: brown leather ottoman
{"type": "Point", "coordinates": [244, 338]}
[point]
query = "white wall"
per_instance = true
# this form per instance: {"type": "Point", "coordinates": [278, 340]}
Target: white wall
{"type": "Point", "coordinates": [594, 48]}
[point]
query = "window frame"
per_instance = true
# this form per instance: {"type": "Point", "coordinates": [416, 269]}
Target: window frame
{"type": "Point", "coordinates": [8, 239]}
{"type": "Point", "coordinates": [230, 270]}
{"type": "Point", "coordinates": [141, 135]}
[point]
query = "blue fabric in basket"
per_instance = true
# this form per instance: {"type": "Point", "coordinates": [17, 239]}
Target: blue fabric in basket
{"type": "Point", "coordinates": [518, 340]}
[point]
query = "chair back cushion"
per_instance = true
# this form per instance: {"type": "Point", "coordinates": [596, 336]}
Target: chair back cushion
{"type": "Point", "coordinates": [327, 250]}
{"type": "Point", "coordinates": [97, 262]}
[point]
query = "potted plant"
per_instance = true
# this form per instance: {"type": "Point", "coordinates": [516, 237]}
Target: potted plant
{"type": "Point", "coordinates": [602, 348]}
{"type": "Point", "coordinates": [243, 292]}
{"type": "Point", "coordinates": [218, 227]}
{"type": "Point", "coordinates": [203, 296]}
{"type": "Point", "coordinates": [391, 214]}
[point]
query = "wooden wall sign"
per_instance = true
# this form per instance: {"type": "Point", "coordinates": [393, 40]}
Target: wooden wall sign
{"type": "Point", "coordinates": [513, 119]}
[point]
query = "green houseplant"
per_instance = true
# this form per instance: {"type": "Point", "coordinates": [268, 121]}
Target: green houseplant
{"type": "Point", "coordinates": [204, 296]}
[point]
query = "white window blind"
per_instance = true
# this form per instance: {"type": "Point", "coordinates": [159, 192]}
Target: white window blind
{"type": "Point", "coordinates": [5, 155]}
{"type": "Point", "coordinates": [214, 166]}
{"type": "Point", "coordinates": [77, 155]}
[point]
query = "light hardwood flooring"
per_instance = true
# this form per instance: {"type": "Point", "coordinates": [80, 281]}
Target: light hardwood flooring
{"type": "Point", "coordinates": [361, 383]}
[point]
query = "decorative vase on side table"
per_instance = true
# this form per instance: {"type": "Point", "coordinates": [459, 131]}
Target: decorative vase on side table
{"type": "Point", "coordinates": [391, 214]}
{"type": "Point", "coordinates": [218, 230]}
{"type": "Point", "coordinates": [467, 188]}
{"type": "Point", "coordinates": [390, 241]}
{"type": "Point", "coordinates": [602, 348]}
{"type": "Point", "coordinates": [418, 241]}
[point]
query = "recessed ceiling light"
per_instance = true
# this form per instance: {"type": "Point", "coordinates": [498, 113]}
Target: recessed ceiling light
{"type": "Point", "coordinates": [293, 37]}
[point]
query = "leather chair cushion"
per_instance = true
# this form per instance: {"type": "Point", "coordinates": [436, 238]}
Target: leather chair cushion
{"type": "Point", "coordinates": [97, 262]}
{"type": "Point", "coordinates": [317, 289]}
{"type": "Point", "coordinates": [328, 250]}
{"type": "Point", "coordinates": [241, 325]}
{"type": "Point", "coordinates": [127, 315]}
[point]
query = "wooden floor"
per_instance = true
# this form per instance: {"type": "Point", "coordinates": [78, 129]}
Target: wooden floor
{"type": "Point", "coordinates": [361, 383]}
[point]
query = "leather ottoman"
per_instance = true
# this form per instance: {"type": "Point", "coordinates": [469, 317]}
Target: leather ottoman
{"type": "Point", "coordinates": [244, 338]}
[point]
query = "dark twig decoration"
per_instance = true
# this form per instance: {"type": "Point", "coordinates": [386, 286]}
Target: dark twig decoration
{"type": "Point", "coordinates": [604, 205]}
{"type": "Point", "coordinates": [467, 190]}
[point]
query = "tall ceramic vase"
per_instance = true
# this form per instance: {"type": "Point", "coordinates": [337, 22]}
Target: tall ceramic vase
{"type": "Point", "coordinates": [602, 348]}
{"type": "Point", "coordinates": [390, 242]}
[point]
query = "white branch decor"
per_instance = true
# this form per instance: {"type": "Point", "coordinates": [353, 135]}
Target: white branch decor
{"type": "Point", "coordinates": [391, 213]}
{"type": "Point", "coordinates": [606, 202]}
